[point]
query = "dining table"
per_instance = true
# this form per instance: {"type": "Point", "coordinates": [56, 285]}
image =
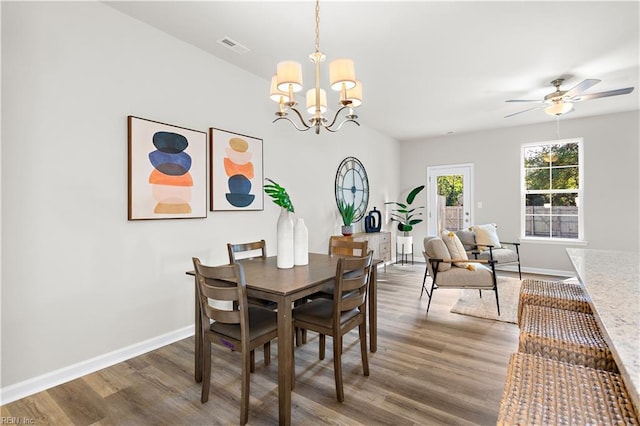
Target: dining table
{"type": "Point", "coordinates": [266, 281]}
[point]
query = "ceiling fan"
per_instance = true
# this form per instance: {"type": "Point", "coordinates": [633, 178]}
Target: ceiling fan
{"type": "Point", "coordinates": [561, 101]}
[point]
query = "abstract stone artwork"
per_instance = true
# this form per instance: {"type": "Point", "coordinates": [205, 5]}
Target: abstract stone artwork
{"type": "Point", "coordinates": [236, 171]}
{"type": "Point", "coordinates": [167, 171]}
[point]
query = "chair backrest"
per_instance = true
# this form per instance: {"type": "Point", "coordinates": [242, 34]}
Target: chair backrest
{"type": "Point", "coordinates": [352, 280]}
{"type": "Point", "coordinates": [222, 284]}
{"type": "Point", "coordinates": [345, 246]}
{"type": "Point", "coordinates": [247, 250]}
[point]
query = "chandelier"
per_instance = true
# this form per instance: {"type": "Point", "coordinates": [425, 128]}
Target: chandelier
{"type": "Point", "coordinates": [288, 80]}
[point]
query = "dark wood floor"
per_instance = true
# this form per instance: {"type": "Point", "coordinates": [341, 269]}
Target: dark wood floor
{"type": "Point", "coordinates": [443, 368]}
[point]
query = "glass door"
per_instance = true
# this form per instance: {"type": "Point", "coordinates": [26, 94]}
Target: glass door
{"type": "Point", "coordinates": [449, 198]}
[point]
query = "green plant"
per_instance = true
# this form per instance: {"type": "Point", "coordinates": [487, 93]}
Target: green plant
{"type": "Point", "coordinates": [404, 214]}
{"type": "Point", "coordinates": [347, 211]}
{"type": "Point", "coordinates": [278, 194]}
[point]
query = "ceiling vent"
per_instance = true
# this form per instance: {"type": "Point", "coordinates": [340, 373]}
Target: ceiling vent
{"type": "Point", "coordinates": [233, 45]}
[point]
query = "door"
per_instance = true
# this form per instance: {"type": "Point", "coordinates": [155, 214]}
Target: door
{"type": "Point", "coordinates": [449, 198]}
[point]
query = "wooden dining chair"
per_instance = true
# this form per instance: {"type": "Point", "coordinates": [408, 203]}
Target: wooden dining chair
{"type": "Point", "coordinates": [338, 246]}
{"type": "Point", "coordinates": [248, 251]}
{"type": "Point", "coordinates": [241, 329]}
{"type": "Point", "coordinates": [346, 311]}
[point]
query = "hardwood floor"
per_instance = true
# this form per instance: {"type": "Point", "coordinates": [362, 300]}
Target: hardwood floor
{"type": "Point", "coordinates": [443, 368]}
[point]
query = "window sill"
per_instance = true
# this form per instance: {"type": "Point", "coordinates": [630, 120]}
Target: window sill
{"type": "Point", "coordinates": [554, 241]}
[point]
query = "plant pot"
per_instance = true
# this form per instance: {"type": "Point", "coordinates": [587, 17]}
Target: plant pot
{"type": "Point", "coordinates": [347, 230]}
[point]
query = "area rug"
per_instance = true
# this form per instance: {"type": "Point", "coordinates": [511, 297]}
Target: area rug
{"type": "Point", "coordinates": [471, 304]}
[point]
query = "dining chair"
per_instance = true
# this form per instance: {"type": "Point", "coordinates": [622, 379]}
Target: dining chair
{"type": "Point", "coordinates": [338, 246]}
{"type": "Point", "coordinates": [248, 251]}
{"type": "Point", "coordinates": [241, 329]}
{"type": "Point", "coordinates": [341, 314]}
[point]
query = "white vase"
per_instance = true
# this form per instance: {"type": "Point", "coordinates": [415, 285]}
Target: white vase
{"type": "Point", "coordinates": [300, 243]}
{"type": "Point", "coordinates": [285, 240]}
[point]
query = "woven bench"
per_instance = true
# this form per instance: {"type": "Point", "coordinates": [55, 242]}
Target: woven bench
{"type": "Point", "coordinates": [553, 294]}
{"type": "Point", "coordinates": [540, 391]}
{"type": "Point", "coordinates": [567, 336]}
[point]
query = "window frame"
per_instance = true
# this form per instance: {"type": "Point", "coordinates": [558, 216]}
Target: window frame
{"type": "Point", "coordinates": [580, 192]}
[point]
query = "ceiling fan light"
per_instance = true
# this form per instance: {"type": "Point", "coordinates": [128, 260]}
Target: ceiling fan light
{"type": "Point", "coordinates": [276, 94]}
{"type": "Point", "coordinates": [289, 74]}
{"type": "Point", "coordinates": [559, 108]}
{"type": "Point", "coordinates": [342, 71]}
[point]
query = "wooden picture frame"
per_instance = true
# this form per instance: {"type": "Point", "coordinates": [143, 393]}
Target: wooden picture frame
{"type": "Point", "coordinates": [167, 171]}
{"type": "Point", "coordinates": [236, 171]}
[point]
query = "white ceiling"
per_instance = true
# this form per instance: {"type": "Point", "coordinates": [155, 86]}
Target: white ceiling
{"type": "Point", "coordinates": [428, 68]}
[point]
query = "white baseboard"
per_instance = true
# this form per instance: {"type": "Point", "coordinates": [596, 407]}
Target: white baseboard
{"type": "Point", "coordinates": [37, 384]}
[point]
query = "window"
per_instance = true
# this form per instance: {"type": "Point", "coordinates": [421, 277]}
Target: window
{"type": "Point", "coordinates": [552, 189]}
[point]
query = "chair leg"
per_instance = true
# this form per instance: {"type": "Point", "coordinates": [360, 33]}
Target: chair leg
{"type": "Point", "coordinates": [323, 340]}
{"type": "Point", "coordinates": [206, 370]}
{"type": "Point", "coordinates": [362, 329]}
{"type": "Point", "coordinates": [424, 280]}
{"type": "Point", "coordinates": [267, 353]}
{"type": "Point", "coordinates": [519, 271]}
{"type": "Point", "coordinates": [337, 366]}
{"type": "Point", "coordinates": [252, 361]}
{"type": "Point", "coordinates": [244, 393]}
{"type": "Point", "coordinates": [480, 291]}
{"type": "Point", "coordinates": [497, 301]}
{"type": "Point", "coordinates": [431, 295]}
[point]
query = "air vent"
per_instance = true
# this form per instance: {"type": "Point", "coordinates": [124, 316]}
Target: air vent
{"type": "Point", "coordinates": [233, 45]}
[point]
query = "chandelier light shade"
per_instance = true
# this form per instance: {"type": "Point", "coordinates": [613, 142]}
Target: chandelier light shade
{"type": "Point", "coordinates": [342, 78]}
{"type": "Point", "coordinates": [559, 108]}
{"type": "Point", "coordinates": [276, 94]}
{"type": "Point", "coordinates": [289, 76]}
{"type": "Point", "coordinates": [355, 95]}
{"type": "Point", "coordinates": [311, 101]}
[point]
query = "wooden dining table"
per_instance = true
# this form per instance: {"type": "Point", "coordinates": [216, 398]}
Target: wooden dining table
{"type": "Point", "coordinates": [284, 286]}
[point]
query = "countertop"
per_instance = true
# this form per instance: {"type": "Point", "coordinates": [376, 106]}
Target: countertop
{"type": "Point", "coordinates": [612, 281]}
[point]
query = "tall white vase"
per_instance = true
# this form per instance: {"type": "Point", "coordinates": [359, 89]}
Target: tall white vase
{"type": "Point", "coordinates": [285, 240]}
{"type": "Point", "coordinates": [300, 243]}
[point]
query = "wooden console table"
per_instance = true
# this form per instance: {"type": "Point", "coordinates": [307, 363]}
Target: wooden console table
{"type": "Point", "coordinates": [379, 242]}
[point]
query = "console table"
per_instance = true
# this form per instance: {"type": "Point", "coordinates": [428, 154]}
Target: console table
{"type": "Point", "coordinates": [611, 281]}
{"type": "Point", "coordinates": [379, 242]}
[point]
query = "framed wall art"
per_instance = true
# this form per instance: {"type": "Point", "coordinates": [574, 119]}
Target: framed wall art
{"type": "Point", "coordinates": [167, 171]}
{"type": "Point", "coordinates": [236, 175]}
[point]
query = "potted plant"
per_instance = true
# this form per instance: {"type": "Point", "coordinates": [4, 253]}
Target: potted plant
{"type": "Point", "coordinates": [348, 212]}
{"type": "Point", "coordinates": [406, 216]}
{"type": "Point", "coordinates": [279, 195]}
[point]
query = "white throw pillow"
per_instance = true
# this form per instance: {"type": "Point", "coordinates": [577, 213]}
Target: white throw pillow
{"type": "Point", "coordinates": [487, 235]}
{"type": "Point", "coordinates": [456, 249]}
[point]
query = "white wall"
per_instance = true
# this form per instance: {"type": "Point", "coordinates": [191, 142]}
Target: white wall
{"type": "Point", "coordinates": [78, 279]}
{"type": "Point", "coordinates": [611, 180]}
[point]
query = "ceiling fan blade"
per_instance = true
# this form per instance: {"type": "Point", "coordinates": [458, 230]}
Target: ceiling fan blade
{"type": "Point", "coordinates": [526, 110]}
{"type": "Point", "coordinates": [616, 92]}
{"type": "Point", "coordinates": [523, 100]}
{"type": "Point", "coordinates": [581, 87]}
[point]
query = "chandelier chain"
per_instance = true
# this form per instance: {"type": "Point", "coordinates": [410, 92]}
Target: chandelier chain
{"type": "Point", "coordinates": [317, 25]}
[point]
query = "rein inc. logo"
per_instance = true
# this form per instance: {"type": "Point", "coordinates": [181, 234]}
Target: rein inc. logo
{"type": "Point", "coordinates": [8, 420]}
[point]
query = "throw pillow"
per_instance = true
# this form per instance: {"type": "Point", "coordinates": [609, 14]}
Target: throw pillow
{"type": "Point", "coordinates": [436, 249]}
{"type": "Point", "coordinates": [467, 238]}
{"type": "Point", "coordinates": [486, 235]}
{"type": "Point", "coordinates": [456, 249]}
